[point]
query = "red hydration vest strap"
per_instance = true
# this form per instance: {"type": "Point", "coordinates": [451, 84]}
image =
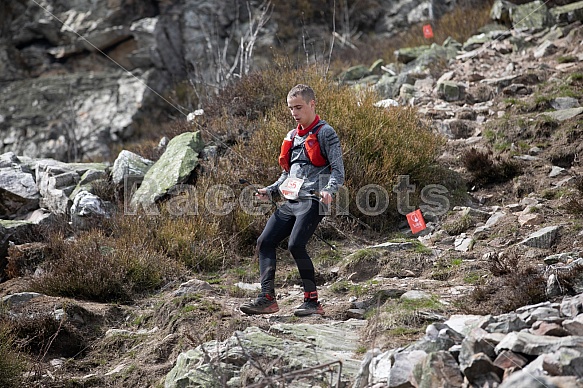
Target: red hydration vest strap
{"type": "Point", "coordinates": [311, 145]}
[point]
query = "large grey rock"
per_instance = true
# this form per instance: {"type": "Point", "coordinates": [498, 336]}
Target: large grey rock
{"type": "Point", "coordinates": [408, 54]}
{"type": "Point", "coordinates": [401, 374]}
{"type": "Point", "coordinates": [456, 128]}
{"type": "Point", "coordinates": [450, 91]}
{"type": "Point", "coordinates": [129, 164]}
{"type": "Point", "coordinates": [354, 73]}
{"type": "Point", "coordinates": [564, 114]}
{"type": "Point", "coordinates": [542, 238]}
{"type": "Point", "coordinates": [531, 15]}
{"type": "Point", "coordinates": [86, 208]}
{"type": "Point", "coordinates": [57, 182]}
{"type": "Point", "coordinates": [18, 192]}
{"type": "Point", "coordinates": [545, 49]}
{"type": "Point", "coordinates": [213, 361]}
{"type": "Point", "coordinates": [12, 232]}
{"type": "Point", "coordinates": [534, 345]}
{"type": "Point", "coordinates": [394, 16]}
{"type": "Point", "coordinates": [568, 13]}
{"type": "Point", "coordinates": [387, 87]}
{"type": "Point", "coordinates": [478, 341]}
{"type": "Point", "coordinates": [574, 326]}
{"type": "Point", "coordinates": [477, 41]}
{"type": "Point", "coordinates": [481, 371]}
{"type": "Point", "coordinates": [560, 103]}
{"type": "Point", "coordinates": [571, 306]}
{"type": "Point", "coordinates": [542, 313]}
{"type": "Point", "coordinates": [175, 166]}
{"type": "Point", "coordinates": [505, 323]}
{"type": "Point", "coordinates": [434, 54]}
{"type": "Point", "coordinates": [526, 379]}
{"type": "Point", "coordinates": [19, 298]}
{"type": "Point", "coordinates": [501, 12]}
{"type": "Point", "coordinates": [564, 362]}
{"type": "Point", "coordinates": [440, 369]}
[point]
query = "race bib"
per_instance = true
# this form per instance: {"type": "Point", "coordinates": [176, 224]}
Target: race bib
{"type": "Point", "coordinates": [290, 188]}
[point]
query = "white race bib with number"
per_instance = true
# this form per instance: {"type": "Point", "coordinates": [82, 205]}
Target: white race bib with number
{"type": "Point", "coordinates": [290, 188]}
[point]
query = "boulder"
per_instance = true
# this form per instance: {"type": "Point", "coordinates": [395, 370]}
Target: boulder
{"type": "Point", "coordinates": [501, 12]}
{"type": "Point", "coordinates": [18, 192]}
{"type": "Point", "coordinates": [12, 232]}
{"type": "Point", "coordinates": [236, 356]}
{"type": "Point", "coordinates": [58, 182]}
{"type": "Point", "coordinates": [542, 238]}
{"type": "Point", "coordinates": [450, 91]}
{"type": "Point", "coordinates": [86, 209]}
{"type": "Point", "coordinates": [535, 345]}
{"type": "Point", "coordinates": [401, 373]}
{"type": "Point", "coordinates": [568, 13]}
{"type": "Point", "coordinates": [409, 54]}
{"type": "Point", "coordinates": [174, 167]}
{"type": "Point", "coordinates": [355, 73]}
{"type": "Point", "coordinates": [564, 114]}
{"type": "Point", "coordinates": [128, 164]}
{"type": "Point", "coordinates": [534, 14]}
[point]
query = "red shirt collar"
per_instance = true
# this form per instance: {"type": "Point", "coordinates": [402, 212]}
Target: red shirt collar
{"type": "Point", "coordinates": [304, 131]}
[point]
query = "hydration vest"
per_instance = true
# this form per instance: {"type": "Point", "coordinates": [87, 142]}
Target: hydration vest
{"type": "Point", "coordinates": [311, 147]}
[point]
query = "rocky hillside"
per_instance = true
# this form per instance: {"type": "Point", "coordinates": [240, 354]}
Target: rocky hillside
{"type": "Point", "coordinates": [79, 77]}
{"type": "Point", "coordinates": [490, 294]}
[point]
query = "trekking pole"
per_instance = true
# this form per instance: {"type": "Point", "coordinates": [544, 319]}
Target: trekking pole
{"type": "Point", "coordinates": [246, 182]}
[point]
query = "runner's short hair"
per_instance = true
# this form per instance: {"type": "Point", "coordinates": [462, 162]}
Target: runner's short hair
{"type": "Point", "coordinates": [304, 91]}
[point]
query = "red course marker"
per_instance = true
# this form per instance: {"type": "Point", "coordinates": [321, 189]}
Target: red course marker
{"type": "Point", "coordinates": [427, 31]}
{"type": "Point", "coordinates": [416, 221]}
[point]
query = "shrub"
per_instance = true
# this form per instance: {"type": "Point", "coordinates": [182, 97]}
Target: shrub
{"type": "Point", "coordinates": [99, 267]}
{"type": "Point", "coordinates": [511, 287]}
{"type": "Point", "coordinates": [11, 361]}
{"type": "Point", "coordinates": [378, 145]}
{"type": "Point", "coordinates": [485, 172]}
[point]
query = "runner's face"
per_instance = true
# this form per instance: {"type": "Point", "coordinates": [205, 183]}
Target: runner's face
{"type": "Point", "coordinates": [303, 113]}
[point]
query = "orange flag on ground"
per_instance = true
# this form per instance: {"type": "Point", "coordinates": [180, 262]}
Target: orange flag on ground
{"type": "Point", "coordinates": [427, 31]}
{"type": "Point", "coordinates": [416, 221]}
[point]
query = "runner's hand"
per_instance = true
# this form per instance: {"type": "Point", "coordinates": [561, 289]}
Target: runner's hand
{"type": "Point", "coordinates": [262, 194]}
{"type": "Point", "coordinates": [326, 197]}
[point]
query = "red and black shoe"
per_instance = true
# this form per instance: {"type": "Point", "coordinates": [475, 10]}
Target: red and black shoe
{"type": "Point", "coordinates": [310, 305]}
{"type": "Point", "coordinates": [263, 304]}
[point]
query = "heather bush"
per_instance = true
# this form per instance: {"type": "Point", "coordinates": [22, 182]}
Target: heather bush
{"type": "Point", "coordinates": [378, 144]}
{"type": "Point", "coordinates": [102, 267]}
{"type": "Point", "coordinates": [486, 171]}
